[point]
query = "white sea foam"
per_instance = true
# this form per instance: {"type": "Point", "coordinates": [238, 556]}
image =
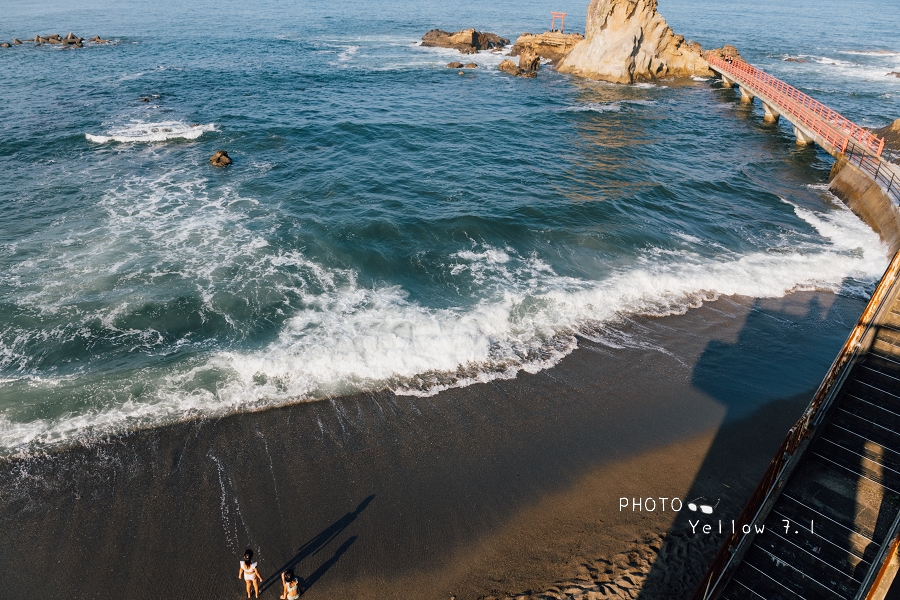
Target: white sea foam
{"type": "Point", "coordinates": [614, 106]}
{"type": "Point", "coordinates": [871, 52]}
{"type": "Point", "coordinates": [152, 132]}
{"type": "Point", "coordinates": [698, 78]}
{"type": "Point", "coordinates": [873, 71]}
{"type": "Point", "coordinates": [341, 336]}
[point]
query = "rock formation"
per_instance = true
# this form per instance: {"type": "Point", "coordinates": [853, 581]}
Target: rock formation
{"type": "Point", "coordinates": [508, 66]}
{"type": "Point", "coordinates": [17, 41]}
{"type": "Point", "coordinates": [4, 45]}
{"type": "Point", "coordinates": [891, 135]}
{"type": "Point", "coordinates": [454, 65]}
{"type": "Point", "coordinates": [471, 66]}
{"type": "Point", "coordinates": [220, 159]}
{"type": "Point", "coordinates": [529, 61]}
{"type": "Point", "coordinates": [628, 41]}
{"type": "Point", "coordinates": [552, 45]}
{"type": "Point", "coordinates": [467, 41]}
{"type": "Point", "coordinates": [722, 52]}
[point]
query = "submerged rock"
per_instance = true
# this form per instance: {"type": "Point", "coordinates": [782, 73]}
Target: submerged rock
{"type": "Point", "coordinates": [628, 41]}
{"type": "Point", "coordinates": [220, 159]}
{"type": "Point", "coordinates": [796, 60]}
{"type": "Point", "coordinates": [551, 45]}
{"type": "Point", "coordinates": [467, 41]}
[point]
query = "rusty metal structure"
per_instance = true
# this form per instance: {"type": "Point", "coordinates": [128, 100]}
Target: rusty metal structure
{"type": "Point", "coordinates": [835, 481]}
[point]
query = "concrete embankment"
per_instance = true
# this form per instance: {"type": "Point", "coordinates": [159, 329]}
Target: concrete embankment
{"type": "Point", "coordinates": [866, 198]}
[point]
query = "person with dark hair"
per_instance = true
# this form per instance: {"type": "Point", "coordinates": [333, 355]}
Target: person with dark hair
{"type": "Point", "coordinates": [292, 587]}
{"type": "Point", "coordinates": [250, 573]}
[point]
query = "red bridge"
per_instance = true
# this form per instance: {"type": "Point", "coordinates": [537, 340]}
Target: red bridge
{"type": "Point", "coordinates": [824, 521]}
{"type": "Point", "coordinates": [812, 120]}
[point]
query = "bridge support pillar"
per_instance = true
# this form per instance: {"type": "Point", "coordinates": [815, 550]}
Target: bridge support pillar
{"type": "Point", "coordinates": [802, 138]}
{"type": "Point", "coordinates": [770, 114]}
{"type": "Point", "coordinates": [746, 97]}
{"type": "Point", "coordinates": [727, 82]}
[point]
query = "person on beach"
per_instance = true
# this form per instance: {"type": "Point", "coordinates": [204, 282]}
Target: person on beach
{"type": "Point", "coordinates": [250, 573]}
{"type": "Point", "coordinates": [292, 587]}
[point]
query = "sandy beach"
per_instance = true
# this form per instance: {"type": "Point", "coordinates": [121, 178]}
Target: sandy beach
{"type": "Point", "coordinates": [499, 490]}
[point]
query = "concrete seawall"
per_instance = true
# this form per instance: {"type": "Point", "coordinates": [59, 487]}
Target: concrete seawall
{"type": "Point", "coordinates": [866, 198]}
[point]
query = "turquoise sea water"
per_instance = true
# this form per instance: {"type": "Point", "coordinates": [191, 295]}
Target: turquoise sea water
{"type": "Point", "coordinates": [387, 223]}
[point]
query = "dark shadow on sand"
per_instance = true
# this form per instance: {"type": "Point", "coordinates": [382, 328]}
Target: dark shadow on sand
{"type": "Point", "coordinates": [317, 543]}
{"type": "Point", "coordinates": [764, 380]}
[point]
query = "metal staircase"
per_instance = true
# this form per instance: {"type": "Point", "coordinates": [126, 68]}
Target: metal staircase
{"type": "Point", "coordinates": [830, 502]}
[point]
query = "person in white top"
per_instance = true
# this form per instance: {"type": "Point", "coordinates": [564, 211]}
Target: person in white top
{"type": "Point", "coordinates": [292, 587]}
{"type": "Point", "coordinates": [250, 573]}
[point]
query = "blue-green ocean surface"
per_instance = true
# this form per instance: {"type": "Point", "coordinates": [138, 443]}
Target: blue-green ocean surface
{"type": "Point", "coordinates": [387, 222]}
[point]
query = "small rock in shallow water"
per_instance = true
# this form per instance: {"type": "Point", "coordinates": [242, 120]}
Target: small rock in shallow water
{"type": "Point", "coordinates": [220, 159]}
{"type": "Point", "coordinates": [508, 66]}
{"type": "Point", "coordinates": [17, 41]}
{"type": "Point", "coordinates": [4, 45]}
{"type": "Point", "coordinates": [471, 66]}
{"type": "Point", "coordinates": [461, 73]}
{"type": "Point", "coordinates": [454, 65]}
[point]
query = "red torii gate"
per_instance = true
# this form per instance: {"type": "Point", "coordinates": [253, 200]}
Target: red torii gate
{"type": "Point", "coordinates": [562, 19]}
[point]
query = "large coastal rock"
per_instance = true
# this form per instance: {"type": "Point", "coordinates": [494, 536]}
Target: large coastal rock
{"type": "Point", "coordinates": [467, 41]}
{"type": "Point", "coordinates": [551, 45]}
{"type": "Point", "coordinates": [628, 41]}
{"type": "Point", "coordinates": [891, 135]}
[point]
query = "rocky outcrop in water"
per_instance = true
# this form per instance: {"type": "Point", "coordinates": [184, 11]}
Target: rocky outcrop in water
{"type": "Point", "coordinates": [551, 45]}
{"type": "Point", "coordinates": [220, 159]}
{"type": "Point", "coordinates": [628, 41]}
{"type": "Point", "coordinates": [70, 41]}
{"type": "Point", "coordinates": [508, 66]}
{"type": "Point", "coordinates": [529, 61]}
{"type": "Point", "coordinates": [467, 41]}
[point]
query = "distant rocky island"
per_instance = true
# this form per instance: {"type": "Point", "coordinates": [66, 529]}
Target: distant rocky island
{"type": "Point", "coordinates": [625, 41]}
{"type": "Point", "coordinates": [70, 41]}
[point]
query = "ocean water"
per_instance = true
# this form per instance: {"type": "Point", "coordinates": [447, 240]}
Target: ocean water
{"type": "Point", "coordinates": [387, 222]}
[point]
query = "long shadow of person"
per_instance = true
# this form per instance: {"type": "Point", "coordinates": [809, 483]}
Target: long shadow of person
{"type": "Point", "coordinates": [312, 579]}
{"type": "Point", "coordinates": [317, 543]}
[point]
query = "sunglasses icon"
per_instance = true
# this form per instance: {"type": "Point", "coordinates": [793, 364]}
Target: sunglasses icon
{"type": "Point", "coordinates": [706, 509]}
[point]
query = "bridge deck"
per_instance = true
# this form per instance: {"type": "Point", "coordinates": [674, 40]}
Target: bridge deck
{"type": "Point", "coordinates": [828, 128]}
{"type": "Point", "coordinates": [830, 501]}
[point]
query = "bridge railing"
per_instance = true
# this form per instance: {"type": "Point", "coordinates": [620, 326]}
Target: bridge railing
{"type": "Point", "coordinates": [885, 176]}
{"type": "Point", "coordinates": [836, 129]}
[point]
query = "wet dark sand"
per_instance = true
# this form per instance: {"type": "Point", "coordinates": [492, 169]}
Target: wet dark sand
{"type": "Point", "coordinates": [493, 489]}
